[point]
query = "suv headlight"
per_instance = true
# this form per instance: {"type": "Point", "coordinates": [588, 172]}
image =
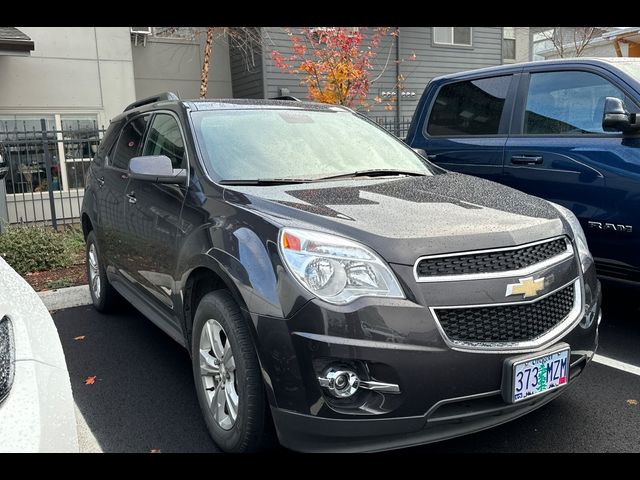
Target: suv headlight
{"type": "Point", "coordinates": [578, 236]}
{"type": "Point", "coordinates": [336, 269]}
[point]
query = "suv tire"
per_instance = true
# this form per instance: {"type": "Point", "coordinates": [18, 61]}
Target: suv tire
{"type": "Point", "coordinates": [227, 376]}
{"type": "Point", "coordinates": [105, 298]}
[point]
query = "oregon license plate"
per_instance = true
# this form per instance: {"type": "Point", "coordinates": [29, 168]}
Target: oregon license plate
{"type": "Point", "coordinates": [536, 375]}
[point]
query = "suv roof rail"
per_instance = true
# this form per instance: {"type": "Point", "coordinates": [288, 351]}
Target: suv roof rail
{"type": "Point", "coordinates": [286, 97]}
{"type": "Point", "coordinates": [155, 98]}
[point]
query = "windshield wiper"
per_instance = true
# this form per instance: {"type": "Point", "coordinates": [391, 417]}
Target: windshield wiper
{"type": "Point", "coordinates": [265, 181]}
{"type": "Point", "coordinates": [377, 172]}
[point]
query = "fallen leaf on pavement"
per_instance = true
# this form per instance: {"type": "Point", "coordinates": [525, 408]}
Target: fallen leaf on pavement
{"type": "Point", "coordinates": [81, 337]}
{"type": "Point", "coordinates": [155, 450]}
{"type": "Point", "coordinates": [632, 402]}
{"type": "Point", "coordinates": [90, 380]}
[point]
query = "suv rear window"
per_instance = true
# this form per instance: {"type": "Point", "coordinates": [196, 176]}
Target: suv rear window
{"type": "Point", "coordinates": [473, 107]}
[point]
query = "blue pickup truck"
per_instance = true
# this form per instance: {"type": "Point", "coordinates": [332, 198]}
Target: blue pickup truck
{"type": "Point", "coordinates": [564, 130]}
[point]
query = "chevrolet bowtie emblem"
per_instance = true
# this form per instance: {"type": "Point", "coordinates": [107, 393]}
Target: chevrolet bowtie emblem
{"type": "Point", "coordinates": [525, 286]}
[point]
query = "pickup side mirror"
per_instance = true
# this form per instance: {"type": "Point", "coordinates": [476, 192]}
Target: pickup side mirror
{"type": "Point", "coordinates": [157, 169]}
{"type": "Point", "coordinates": [616, 118]}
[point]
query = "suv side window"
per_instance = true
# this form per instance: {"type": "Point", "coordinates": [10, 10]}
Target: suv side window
{"type": "Point", "coordinates": [165, 138]}
{"type": "Point", "coordinates": [129, 142]}
{"type": "Point", "coordinates": [109, 139]}
{"type": "Point", "coordinates": [472, 107]}
{"type": "Point", "coordinates": [569, 103]}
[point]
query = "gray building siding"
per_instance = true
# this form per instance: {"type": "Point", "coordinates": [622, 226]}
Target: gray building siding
{"type": "Point", "coordinates": [246, 73]}
{"type": "Point", "coordinates": [174, 65]}
{"type": "Point", "coordinates": [431, 61]}
{"type": "Point", "coordinates": [434, 60]}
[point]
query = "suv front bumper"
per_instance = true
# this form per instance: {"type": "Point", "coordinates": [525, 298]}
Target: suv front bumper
{"type": "Point", "coordinates": [443, 393]}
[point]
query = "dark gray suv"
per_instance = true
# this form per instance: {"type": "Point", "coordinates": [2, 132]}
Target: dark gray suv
{"type": "Point", "coordinates": [331, 282]}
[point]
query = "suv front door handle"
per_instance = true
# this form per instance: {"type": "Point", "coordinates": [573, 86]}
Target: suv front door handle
{"type": "Point", "coordinates": [526, 159]}
{"type": "Point", "coordinates": [132, 197]}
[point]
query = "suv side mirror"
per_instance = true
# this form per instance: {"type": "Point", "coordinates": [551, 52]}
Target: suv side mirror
{"type": "Point", "coordinates": [616, 118]}
{"type": "Point", "coordinates": [157, 169]}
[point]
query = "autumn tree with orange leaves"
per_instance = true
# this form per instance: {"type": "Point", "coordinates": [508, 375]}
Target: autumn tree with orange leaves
{"type": "Point", "coordinates": [334, 63]}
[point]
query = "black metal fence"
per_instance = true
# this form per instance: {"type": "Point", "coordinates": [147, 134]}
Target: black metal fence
{"type": "Point", "coordinates": [391, 124]}
{"type": "Point", "coordinates": [46, 170]}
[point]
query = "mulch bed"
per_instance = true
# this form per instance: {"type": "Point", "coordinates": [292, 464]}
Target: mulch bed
{"type": "Point", "coordinates": [72, 276]}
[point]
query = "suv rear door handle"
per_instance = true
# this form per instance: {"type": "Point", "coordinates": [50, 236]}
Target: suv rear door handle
{"type": "Point", "coordinates": [132, 197]}
{"type": "Point", "coordinates": [526, 159]}
{"type": "Point", "coordinates": [431, 156]}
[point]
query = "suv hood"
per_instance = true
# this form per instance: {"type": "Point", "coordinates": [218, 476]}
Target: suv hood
{"type": "Point", "coordinates": [404, 218]}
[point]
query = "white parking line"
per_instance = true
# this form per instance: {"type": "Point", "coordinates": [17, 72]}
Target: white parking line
{"type": "Point", "coordinates": [610, 362]}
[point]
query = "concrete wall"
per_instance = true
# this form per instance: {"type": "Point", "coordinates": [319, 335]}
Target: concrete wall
{"type": "Point", "coordinates": [72, 70]}
{"type": "Point", "coordinates": [174, 65]}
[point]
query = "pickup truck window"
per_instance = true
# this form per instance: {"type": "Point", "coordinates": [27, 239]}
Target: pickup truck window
{"type": "Point", "coordinates": [472, 107]}
{"type": "Point", "coordinates": [569, 103]}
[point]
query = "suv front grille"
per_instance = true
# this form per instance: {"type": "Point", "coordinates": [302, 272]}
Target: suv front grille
{"type": "Point", "coordinates": [507, 323]}
{"type": "Point", "coordinates": [6, 357]}
{"type": "Point", "coordinates": [492, 261]}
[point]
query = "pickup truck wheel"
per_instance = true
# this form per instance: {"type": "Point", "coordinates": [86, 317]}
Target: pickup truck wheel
{"type": "Point", "coordinates": [103, 295]}
{"type": "Point", "coordinates": [227, 375]}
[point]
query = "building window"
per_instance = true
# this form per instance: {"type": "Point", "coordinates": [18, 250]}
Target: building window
{"type": "Point", "coordinates": [452, 36]}
{"type": "Point", "coordinates": [80, 137]}
{"type": "Point", "coordinates": [509, 43]}
{"type": "Point", "coordinates": [70, 141]}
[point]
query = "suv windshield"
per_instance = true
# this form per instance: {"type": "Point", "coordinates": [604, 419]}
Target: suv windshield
{"type": "Point", "coordinates": [300, 144]}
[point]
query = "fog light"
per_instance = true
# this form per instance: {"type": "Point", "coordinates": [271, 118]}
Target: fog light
{"type": "Point", "coordinates": [344, 383]}
{"type": "Point", "coordinates": [341, 383]}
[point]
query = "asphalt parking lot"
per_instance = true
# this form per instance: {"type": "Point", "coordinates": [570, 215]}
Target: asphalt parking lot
{"type": "Point", "coordinates": [143, 397]}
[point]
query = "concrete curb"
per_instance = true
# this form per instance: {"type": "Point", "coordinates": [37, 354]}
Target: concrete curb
{"type": "Point", "coordinates": [66, 297]}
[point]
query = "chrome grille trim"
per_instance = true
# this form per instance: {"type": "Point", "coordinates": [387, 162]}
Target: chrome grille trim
{"type": "Point", "coordinates": [568, 253]}
{"type": "Point", "coordinates": [539, 343]}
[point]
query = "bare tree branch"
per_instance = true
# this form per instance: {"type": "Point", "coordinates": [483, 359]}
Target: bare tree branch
{"type": "Point", "coordinates": [582, 38]}
{"type": "Point", "coordinates": [246, 40]}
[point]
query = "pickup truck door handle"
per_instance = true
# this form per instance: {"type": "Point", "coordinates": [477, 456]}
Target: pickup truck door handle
{"type": "Point", "coordinates": [526, 159]}
{"type": "Point", "coordinates": [132, 197]}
